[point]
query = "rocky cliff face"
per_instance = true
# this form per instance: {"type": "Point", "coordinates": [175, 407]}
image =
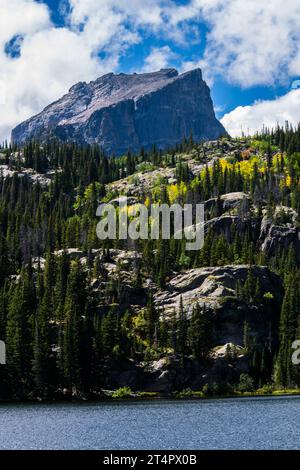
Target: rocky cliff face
{"type": "Point", "coordinates": [214, 287]}
{"type": "Point", "coordinates": [121, 112]}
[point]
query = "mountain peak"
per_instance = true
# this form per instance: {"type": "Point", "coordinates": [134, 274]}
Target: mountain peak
{"type": "Point", "coordinates": [129, 111]}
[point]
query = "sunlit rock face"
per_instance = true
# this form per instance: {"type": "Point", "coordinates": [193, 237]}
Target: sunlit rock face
{"type": "Point", "coordinates": [127, 112]}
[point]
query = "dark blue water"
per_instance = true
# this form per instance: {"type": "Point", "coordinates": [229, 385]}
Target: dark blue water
{"type": "Point", "coordinates": [254, 423]}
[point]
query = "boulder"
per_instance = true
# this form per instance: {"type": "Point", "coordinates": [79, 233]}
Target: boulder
{"type": "Point", "coordinates": [277, 234]}
{"type": "Point", "coordinates": [279, 238]}
{"type": "Point", "coordinates": [229, 202]}
{"type": "Point", "coordinates": [215, 288]}
{"type": "Point", "coordinates": [170, 374]}
{"type": "Point", "coordinates": [211, 284]}
{"type": "Point", "coordinates": [224, 224]}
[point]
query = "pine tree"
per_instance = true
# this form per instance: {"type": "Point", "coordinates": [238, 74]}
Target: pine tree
{"type": "Point", "coordinates": [200, 332]}
{"type": "Point", "coordinates": [41, 348]}
{"type": "Point", "coordinates": [19, 331]}
{"type": "Point", "coordinates": [151, 317]}
{"type": "Point", "coordinates": [110, 332]}
{"type": "Point", "coordinates": [182, 334]}
{"type": "Point", "coordinates": [246, 337]}
{"type": "Point", "coordinates": [74, 310]}
{"type": "Point", "coordinates": [287, 330]}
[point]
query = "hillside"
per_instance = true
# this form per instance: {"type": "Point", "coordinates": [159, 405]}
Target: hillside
{"type": "Point", "coordinates": [83, 317]}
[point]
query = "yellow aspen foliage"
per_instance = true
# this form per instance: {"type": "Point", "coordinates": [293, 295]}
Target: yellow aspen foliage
{"type": "Point", "coordinates": [173, 193]}
{"type": "Point", "coordinates": [133, 210]}
{"type": "Point", "coordinates": [276, 160]}
{"type": "Point", "coordinates": [225, 164]}
{"type": "Point", "coordinates": [288, 181]}
{"type": "Point", "coordinates": [195, 183]}
{"type": "Point", "coordinates": [182, 189]}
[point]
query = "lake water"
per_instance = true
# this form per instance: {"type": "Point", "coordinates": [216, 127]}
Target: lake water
{"type": "Point", "coordinates": [246, 423]}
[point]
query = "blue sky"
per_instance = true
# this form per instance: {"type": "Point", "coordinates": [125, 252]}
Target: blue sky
{"type": "Point", "coordinates": [249, 52]}
{"type": "Point", "coordinates": [226, 96]}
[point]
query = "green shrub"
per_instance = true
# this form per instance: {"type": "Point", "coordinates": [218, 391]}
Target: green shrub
{"type": "Point", "coordinates": [217, 389]}
{"type": "Point", "coordinates": [246, 383]}
{"type": "Point", "coordinates": [145, 166]}
{"type": "Point", "coordinates": [186, 393]}
{"type": "Point", "coordinates": [148, 394]}
{"type": "Point", "coordinates": [124, 392]}
{"type": "Point", "coordinates": [266, 389]}
{"type": "Point", "coordinates": [210, 389]}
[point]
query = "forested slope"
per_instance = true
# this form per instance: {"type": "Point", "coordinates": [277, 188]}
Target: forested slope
{"type": "Point", "coordinates": [80, 315]}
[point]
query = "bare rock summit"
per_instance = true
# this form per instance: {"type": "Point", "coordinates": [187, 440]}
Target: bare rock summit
{"type": "Point", "coordinates": [127, 112]}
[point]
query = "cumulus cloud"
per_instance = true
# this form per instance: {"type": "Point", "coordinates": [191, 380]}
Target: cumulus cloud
{"type": "Point", "coordinates": [51, 59]}
{"type": "Point", "coordinates": [249, 119]}
{"type": "Point", "coordinates": [156, 16]}
{"type": "Point", "coordinates": [19, 17]}
{"type": "Point", "coordinates": [248, 43]}
{"type": "Point", "coordinates": [159, 58]}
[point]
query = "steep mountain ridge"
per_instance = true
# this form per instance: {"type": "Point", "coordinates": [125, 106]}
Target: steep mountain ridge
{"type": "Point", "coordinates": [126, 112]}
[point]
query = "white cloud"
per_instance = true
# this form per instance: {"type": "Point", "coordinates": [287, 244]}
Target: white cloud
{"type": "Point", "coordinates": [249, 42]}
{"type": "Point", "coordinates": [20, 17]}
{"type": "Point", "coordinates": [250, 119]}
{"type": "Point", "coordinates": [51, 60]}
{"type": "Point", "coordinates": [54, 58]}
{"type": "Point", "coordinates": [135, 14]}
{"type": "Point", "coordinates": [159, 58]}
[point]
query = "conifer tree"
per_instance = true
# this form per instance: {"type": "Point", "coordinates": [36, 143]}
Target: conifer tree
{"type": "Point", "coordinates": [74, 310]}
{"type": "Point", "coordinates": [182, 334]}
{"type": "Point", "coordinates": [200, 332]}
